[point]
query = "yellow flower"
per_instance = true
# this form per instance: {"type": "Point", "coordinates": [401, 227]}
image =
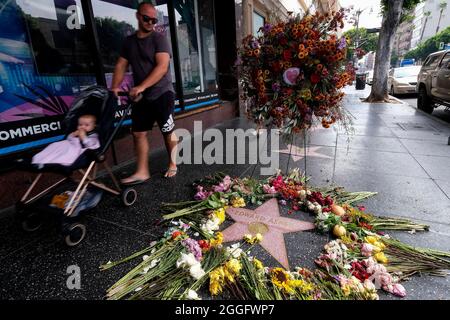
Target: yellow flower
{"type": "Point", "coordinates": [282, 279]}
{"type": "Point", "coordinates": [253, 239]}
{"type": "Point", "coordinates": [258, 237]}
{"type": "Point", "coordinates": [238, 202]}
{"type": "Point", "coordinates": [220, 214]}
{"type": "Point", "coordinates": [258, 264]}
{"type": "Point", "coordinates": [217, 240]}
{"type": "Point", "coordinates": [346, 289]}
{"type": "Point", "coordinates": [248, 238]}
{"type": "Point", "coordinates": [380, 257]}
{"type": "Point", "coordinates": [303, 286]}
{"type": "Point", "coordinates": [216, 281]}
{"type": "Point", "coordinates": [228, 276]}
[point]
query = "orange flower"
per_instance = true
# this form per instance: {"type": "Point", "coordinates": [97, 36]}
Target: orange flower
{"type": "Point", "coordinates": [176, 234]}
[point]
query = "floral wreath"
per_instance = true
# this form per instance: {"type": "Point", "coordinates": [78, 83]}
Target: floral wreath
{"type": "Point", "coordinates": [191, 258]}
{"type": "Point", "coordinates": [291, 73]}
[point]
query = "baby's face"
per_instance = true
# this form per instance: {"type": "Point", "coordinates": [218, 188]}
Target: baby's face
{"type": "Point", "coordinates": [86, 123]}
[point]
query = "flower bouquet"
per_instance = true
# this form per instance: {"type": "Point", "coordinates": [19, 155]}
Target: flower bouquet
{"type": "Point", "coordinates": [191, 259]}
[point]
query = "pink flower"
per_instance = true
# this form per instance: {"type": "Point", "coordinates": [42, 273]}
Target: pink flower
{"type": "Point", "coordinates": [366, 250]}
{"type": "Point", "coordinates": [201, 194]}
{"type": "Point", "coordinates": [224, 185]}
{"type": "Point", "coordinates": [398, 290]}
{"type": "Point", "coordinates": [385, 279]}
{"type": "Point", "coordinates": [269, 189]}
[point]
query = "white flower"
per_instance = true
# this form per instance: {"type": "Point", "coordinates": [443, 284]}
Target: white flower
{"type": "Point", "coordinates": [211, 225]}
{"type": "Point", "coordinates": [153, 243]}
{"type": "Point", "coordinates": [174, 222]}
{"type": "Point", "coordinates": [196, 271]}
{"type": "Point", "coordinates": [187, 260]}
{"type": "Point", "coordinates": [322, 216]}
{"type": "Point", "coordinates": [146, 257]}
{"type": "Point", "coordinates": [138, 289]}
{"type": "Point", "coordinates": [196, 234]}
{"type": "Point", "coordinates": [109, 262]}
{"type": "Point", "coordinates": [234, 250]}
{"type": "Point", "coordinates": [153, 251]}
{"type": "Point", "coordinates": [192, 295]}
{"type": "Point", "coordinates": [154, 262]}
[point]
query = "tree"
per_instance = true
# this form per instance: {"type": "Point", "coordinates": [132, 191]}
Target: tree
{"type": "Point", "coordinates": [429, 46]}
{"type": "Point", "coordinates": [443, 6]}
{"type": "Point", "coordinates": [392, 14]}
{"type": "Point", "coordinates": [367, 41]}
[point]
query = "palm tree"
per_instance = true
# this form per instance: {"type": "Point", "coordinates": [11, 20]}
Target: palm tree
{"type": "Point", "coordinates": [427, 14]}
{"type": "Point", "coordinates": [442, 6]}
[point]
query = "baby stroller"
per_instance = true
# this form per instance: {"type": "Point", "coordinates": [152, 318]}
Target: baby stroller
{"type": "Point", "coordinates": [86, 193]}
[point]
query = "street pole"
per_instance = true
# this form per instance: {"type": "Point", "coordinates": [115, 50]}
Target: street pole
{"type": "Point", "coordinates": [355, 56]}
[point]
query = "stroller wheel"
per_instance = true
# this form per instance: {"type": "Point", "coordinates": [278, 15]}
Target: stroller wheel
{"type": "Point", "coordinates": [31, 222]}
{"type": "Point", "coordinates": [128, 196]}
{"type": "Point", "coordinates": [74, 234]}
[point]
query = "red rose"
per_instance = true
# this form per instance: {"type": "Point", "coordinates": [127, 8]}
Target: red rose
{"type": "Point", "coordinates": [315, 78]}
{"type": "Point", "coordinates": [203, 244]}
{"type": "Point", "coordinates": [287, 55]}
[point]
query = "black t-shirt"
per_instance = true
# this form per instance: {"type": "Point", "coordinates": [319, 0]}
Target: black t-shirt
{"type": "Point", "coordinates": [141, 55]}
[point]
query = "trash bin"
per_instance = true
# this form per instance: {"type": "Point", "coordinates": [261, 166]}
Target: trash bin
{"type": "Point", "coordinates": [360, 81]}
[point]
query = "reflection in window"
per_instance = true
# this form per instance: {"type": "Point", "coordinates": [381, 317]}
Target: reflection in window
{"type": "Point", "coordinates": [58, 36]}
{"type": "Point", "coordinates": [208, 41]}
{"type": "Point", "coordinates": [115, 20]}
{"type": "Point", "coordinates": [258, 22]}
{"type": "Point", "coordinates": [196, 43]}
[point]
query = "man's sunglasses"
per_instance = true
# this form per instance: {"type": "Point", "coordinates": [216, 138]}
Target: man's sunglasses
{"type": "Point", "coordinates": [148, 19]}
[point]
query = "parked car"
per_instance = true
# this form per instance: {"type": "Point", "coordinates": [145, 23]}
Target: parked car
{"type": "Point", "coordinates": [433, 83]}
{"type": "Point", "coordinates": [369, 78]}
{"type": "Point", "coordinates": [403, 80]}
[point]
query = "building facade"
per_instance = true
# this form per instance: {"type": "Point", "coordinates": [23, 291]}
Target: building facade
{"type": "Point", "coordinates": [402, 38]}
{"type": "Point", "coordinates": [51, 50]}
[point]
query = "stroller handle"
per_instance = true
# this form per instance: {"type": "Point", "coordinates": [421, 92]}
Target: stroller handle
{"type": "Point", "coordinates": [127, 94]}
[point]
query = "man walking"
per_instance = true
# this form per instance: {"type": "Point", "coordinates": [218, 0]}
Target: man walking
{"type": "Point", "coordinates": [148, 52]}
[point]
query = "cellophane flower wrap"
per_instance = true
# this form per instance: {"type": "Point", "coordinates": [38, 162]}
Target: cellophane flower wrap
{"type": "Point", "coordinates": [292, 72]}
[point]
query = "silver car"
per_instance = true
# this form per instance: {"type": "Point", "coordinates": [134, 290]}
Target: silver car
{"type": "Point", "coordinates": [403, 80]}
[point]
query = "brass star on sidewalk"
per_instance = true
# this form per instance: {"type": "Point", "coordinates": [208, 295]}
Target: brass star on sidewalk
{"type": "Point", "coordinates": [298, 153]}
{"type": "Point", "coordinates": [266, 220]}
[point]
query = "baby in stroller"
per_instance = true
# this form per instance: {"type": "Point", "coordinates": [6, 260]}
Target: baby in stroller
{"type": "Point", "coordinates": [66, 152]}
{"type": "Point", "coordinates": [90, 127]}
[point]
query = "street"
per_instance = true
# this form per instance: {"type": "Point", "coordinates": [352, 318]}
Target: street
{"type": "Point", "coordinates": [441, 112]}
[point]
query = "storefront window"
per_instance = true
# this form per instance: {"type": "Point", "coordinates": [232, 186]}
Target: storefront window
{"type": "Point", "coordinates": [58, 36]}
{"type": "Point", "coordinates": [37, 81]}
{"type": "Point", "coordinates": [116, 20]}
{"type": "Point", "coordinates": [258, 22]}
{"type": "Point", "coordinates": [196, 45]}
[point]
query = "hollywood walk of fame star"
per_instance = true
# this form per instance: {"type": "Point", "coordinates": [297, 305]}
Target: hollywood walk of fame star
{"type": "Point", "coordinates": [298, 153]}
{"type": "Point", "coordinates": [266, 220]}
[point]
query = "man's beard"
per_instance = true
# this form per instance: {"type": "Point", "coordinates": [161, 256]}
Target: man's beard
{"type": "Point", "coordinates": [145, 30]}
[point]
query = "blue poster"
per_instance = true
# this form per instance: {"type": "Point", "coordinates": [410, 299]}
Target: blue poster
{"type": "Point", "coordinates": [32, 105]}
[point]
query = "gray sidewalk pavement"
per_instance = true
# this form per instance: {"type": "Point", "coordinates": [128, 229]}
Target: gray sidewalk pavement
{"type": "Point", "coordinates": [395, 150]}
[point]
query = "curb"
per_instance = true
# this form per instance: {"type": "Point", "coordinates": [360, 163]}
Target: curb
{"type": "Point", "coordinates": [424, 113]}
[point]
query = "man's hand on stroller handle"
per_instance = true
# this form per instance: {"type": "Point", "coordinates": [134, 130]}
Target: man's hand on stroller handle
{"type": "Point", "coordinates": [119, 93]}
